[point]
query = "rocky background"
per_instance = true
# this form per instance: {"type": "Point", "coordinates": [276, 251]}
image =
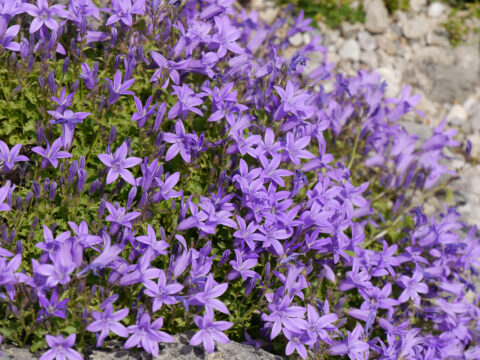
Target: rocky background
{"type": "Point", "coordinates": [408, 48]}
{"type": "Point", "coordinates": [412, 48]}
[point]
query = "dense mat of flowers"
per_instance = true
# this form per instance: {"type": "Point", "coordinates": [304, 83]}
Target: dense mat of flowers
{"type": "Point", "coordinates": [164, 169]}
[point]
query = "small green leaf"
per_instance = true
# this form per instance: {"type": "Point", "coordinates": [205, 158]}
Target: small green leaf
{"type": "Point", "coordinates": [350, 252]}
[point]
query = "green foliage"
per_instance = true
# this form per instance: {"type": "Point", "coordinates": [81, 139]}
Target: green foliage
{"type": "Point", "coordinates": [330, 12]}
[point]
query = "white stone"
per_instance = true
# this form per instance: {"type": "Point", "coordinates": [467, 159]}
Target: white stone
{"type": "Point", "coordinates": [376, 17]}
{"type": "Point", "coordinates": [350, 50]}
{"type": "Point", "coordinates": [457, 115]}
{"type": "Point", "coordinates": [369, 58]}
{"type": "Point", "coordinates": [366, 41]}
{"type": "Point", "coordinates": [307, 38]}
{"type": "Point", "coordinates": [393, 78]}
{"type": "Point", "coordinates": [296, 40]}
{"type": "Point", "coordinates": [436, 9]}
{"type": "Point", "coordinates": [416, 28]}
{"type": "Point", "coordinates": [269, 15]}
{"type": "Point", "coordinates": [475, 140]}
{"type": "Point", "coordinates": [417, 5]}
{"type": "Point", "coordinates": [350, 30]}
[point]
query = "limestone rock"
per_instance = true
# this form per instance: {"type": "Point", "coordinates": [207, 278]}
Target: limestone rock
{"type": "Point", "coordinates": [350, 50]}
{"type": "Point", "coordinates": [393, 78]}
{"type": "Point", "coordinates": [296, 40]}
{"type": "Point", "coordinates": [366, 41]}
{"type": "Point", "coordinates": [369, 58]}
{"type": "Point", "coordinates": [436, 9]}
{"type": "Point", "coordinates": [457, 115]}
{"type": "Point", "coordinates": [416, 28]}
{"type": "Point", "coordinates": [417, 5]}
{"type": "Point", "coordinates": [376, 17]}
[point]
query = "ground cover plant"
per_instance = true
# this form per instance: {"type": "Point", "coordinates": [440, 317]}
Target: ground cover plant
{"type": "Point", "coordinates": [164, 169]}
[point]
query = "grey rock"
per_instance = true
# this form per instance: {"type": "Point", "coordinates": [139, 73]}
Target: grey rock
{"type": "Point", "coordinates": [296, 40]}
{"type": "Point", "coordinates": [417, 5]}
{"type": "Point", "coordinates": [416, 28]}
{"type": "Point", "coordinates": [475, 117]}
{"type": "Point", "coordinates": [376, 17]}
{"type": "Point", "coordinates": [436, 9]}
{"type": "Point", "coordinates": [350, 30]}
{"type": "Point", "coordinates": [457, 115]}
{"type": "Point", "coordinates": [350, 50]}
{"type": "Point", "coordinates": [369, 58]}
{"type": "Point", "coordinates": [438, 37]}
{"type": "Point", "coordinates": [468, 187]}
{"type": "Point", "coordinates": [393, 78]}
{"type": "Point", "coordinates": [366, 41]}
{"type": "Point", "coordinates": [179, 350]}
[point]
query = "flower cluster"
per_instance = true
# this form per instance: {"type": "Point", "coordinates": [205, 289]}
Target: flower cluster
{"type": "Point", "coordinates": [200, 180]}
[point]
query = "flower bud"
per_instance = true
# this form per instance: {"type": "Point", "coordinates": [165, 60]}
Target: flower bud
{"type": "Point", "coordinates": [12, 236]}
{"type": "Point", "coordinates": [94, 187]}
{"type": "Point", "coordinates": [131, 196]}
{"type": "Point", "coordinates": [52, 40]}
{"type": "Point", "coordinates": [82, 177]}
{"type": "Point", "coordinates": [113, 36]}
{"type": "Point", "coordinates": [72, 170]}
{"type": "Point", "coordinates": [143, 200]}
{"type": "Point", "coordinates": [224, 258]}
{"type": "Point", "coordinates": [75, 85]}
{"type": "Point", "coordinates": [46, 183]}
{"type": "Point", "coordinates": [53, 189]}
{"type": "Point", "coordinates": [113, 132]}
{"type": "Point", "coordinates": [101, 208]}
{"type": "Point", "coordinates": [41, 81]}
{"type": "Point", "coordinates": [30, 62]}
{"type": "Point", "coordinates": [18, 203]}
{"type": "Point", "coordinates": [19, 247]}
{"type": "Point", "coordinates": [24, 48]}
{"type": "Point", "coordinates": [36, 189]}
{"type": "Point", "coordinates": [28, 198]}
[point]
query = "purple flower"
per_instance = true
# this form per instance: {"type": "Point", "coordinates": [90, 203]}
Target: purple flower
{"type": "Point", "coordinates": [187, 100]}
{"type": "Point", "coordinates": [297, 342]}
{"type": "Point", "coordinates": [83, 236]}
{"type": "Point", "coordinates": [108, 321]}
{"type": "Point", "coordinates": [413, 286]}
{"type": "Point", "coordinates": [283, 315]}
{"type": "Point", "coordinates": [241, 267]}
{"type": "Point", "coordinates": [10, 157]}
{"type": "Point", "coordinates": [354, 346]}
{"type": "Point", "coordinates": [208, 296]}
{"type": "Point", "coordinates": [318, 325]}
{"type": "Point", "coordinates": [123, 11]}
{"type": "Point", "coordinates": [52, 307]}
{"type": "Point", "coordinates": [7, 35]}
{"type": "Point", "coordinates": [143, 112]}
{"type": "Point", "coordinates": [294, 148]}
{"type": "Point", "coordinates": [293, 102]}
{"type": "Point", "coordinates": [60, 348]}
{"type": "Point", "coordinates": [68, 120]}
{"type": "Point", "coordinates": [52, 154]}
{"type": "Point", "coordinates": [117, 87]}
{"type": "Point", "coordinates": [148, 335]}
{"type": "Point", "coordinates": [210, 331]}
{"type": "Point", "coordinates": [118, 215]}
{"type": "Point", "coordinates": [181, 143]}
{"type": "Point", "coordinates": [89, 76]}
{"type": "Point", "coordinates": [44, 15]}
{"type": "Point", "coordinates": [161, 292]}
{"type": "Point", "coordinates": [118, 163]}
{"type": "Point", "coordinates": [158, 247]}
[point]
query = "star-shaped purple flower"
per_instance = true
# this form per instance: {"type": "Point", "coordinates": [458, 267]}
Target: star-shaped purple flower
{"type": "Point", "coordinates": [52, 154]}
{"type": "Point", "coordinates": [210, 331]}
{"type": "Point", "coordinates": [60, 348]}
{"type": "Point", "coordinates": [118, 163]}
{"type": "Point", "coordinates": [44, 15]}
{"type": "Point", "coordinates": [108, 321]}
{"type": "Point", "coordinates": [148, 335]}
{"type": "Point", "coordinates": [10, 157]}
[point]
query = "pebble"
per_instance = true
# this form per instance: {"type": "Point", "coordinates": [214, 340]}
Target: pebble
{"type": "Point", "coordinates": [416, 28]}
{"type": "Point", "coordinates": [296, 40]}
{"type": "Point", "coordinates": [376, 17]}
{"type": "Point", "coordinates": [369, 58]}
{"type": "Point", "coordinates": [393, 77]}
{"type": "Point", "coordinates": [417, 5]}
{"type": "Point", "coordinates": [457, 115]}
{"type": "Point", "coordinates": [366, 41]}
{"type": "Point", "coordinates": [436, 9]}
{"type": "Point", "coordinates": [350, 50]}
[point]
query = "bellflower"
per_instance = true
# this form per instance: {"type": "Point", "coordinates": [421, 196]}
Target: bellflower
{"type": "Point", "coordinates": [68, 120]}
{"type": "Point", "coordinates": [161, 292]}
{"type": "Point", "coordinates": [413, 286]}
{"type": "Point", "coordinates": [43, 15]}
{"type": "Point", "coordinates": [210, 331]}
{"type": "Point", "coordinates": [208, 296]}
{"type": "Point", "coordinates": [119, 216]}
{"type": "Point", "coordinates": [118, 163]}
{"type": "Point", "coordinates": [7, 35]}
{"type": "Point", "coordinates": [187, 101]}
{"type": "Point", "coordinates": [117, 87]}
{"type": "Point", "coordinates": [61, 348]}
{"type": "Point", "coordinates": [123, 11]}
{"type": "Point", "coordinates": [147, 335]}
{"type": "Point", "coordinates": [108, 321]}
{"type": "Point", "coordinates": [51, 154]}
{"type": "Point", "coordinates": [10, 157]}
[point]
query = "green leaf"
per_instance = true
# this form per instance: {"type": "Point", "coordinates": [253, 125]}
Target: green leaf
{"type": "Point", "coordinates": [350, 252]}
{"type": "Point", "coordinates": [37, 345]}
